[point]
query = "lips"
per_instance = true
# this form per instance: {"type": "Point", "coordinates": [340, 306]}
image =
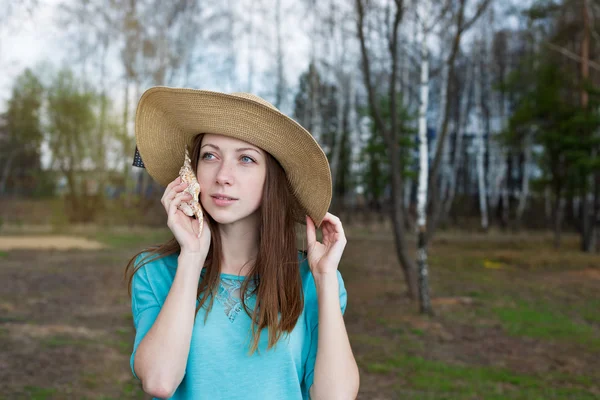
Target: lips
{"type": "Point", "coordinates": [222, 197]}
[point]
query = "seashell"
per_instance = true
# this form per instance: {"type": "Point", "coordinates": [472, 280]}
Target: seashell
{"type": "Point", "coordinates": [191, 208]}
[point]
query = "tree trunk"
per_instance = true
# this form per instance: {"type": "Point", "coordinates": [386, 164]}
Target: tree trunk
{"type": "Point", "coordinates": [586, 221]}
{"type": "Point", "coordinates": [596, 215]}
{"type": "Point", "coordinates": [398, 224]}
{"type": "Point", "coordinates": [465, 107]}
{"type": "Point", "coordinates": [480, 150]}
{"type": "Point", "coordinates": [506, 192]}
{"type": "Point", "coordinates": [558, 216]}
{"type": "Point", "coordinates": [424, 300]}
{"type": "Point", "coordinates": [6, 172]}
{"type": "Point", "coordinates": [391, 136]}
{"type": "Point", "coordinates": [343, 83]}
{"type": "Point", "coordinates": [524, 192]}
{"type": "Point", "coordinates": [280, 90]}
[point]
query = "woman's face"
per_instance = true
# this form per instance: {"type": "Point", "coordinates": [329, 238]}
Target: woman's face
{"type": "Point", "coordinates": [232, 168]}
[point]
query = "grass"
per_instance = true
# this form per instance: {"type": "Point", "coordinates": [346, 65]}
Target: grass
{"type": "Point", "coordinates": [457, 381]}
{"type": "Point", "coordinates": [38, 393]}
{"type": "Point", "coordinates": [544, 323]}
{"type": "Point", "coordinates": [591, 312]}
{"type": "Point", "coordinates": [127, 240]}
{"type": "Point", "coordinates": [522, 294]}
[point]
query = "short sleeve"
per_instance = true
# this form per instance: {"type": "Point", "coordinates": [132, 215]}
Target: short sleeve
{"type": "Point", "coordinates": [144, 306]}
{"type": "Point", "coordinates": [313, 320]}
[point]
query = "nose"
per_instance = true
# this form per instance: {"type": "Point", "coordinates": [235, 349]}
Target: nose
{"type": "Point", "coordinates": [225, 174]}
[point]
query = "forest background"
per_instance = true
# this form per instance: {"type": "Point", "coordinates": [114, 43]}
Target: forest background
{"type": "Point", "coordinates": [463, 138]}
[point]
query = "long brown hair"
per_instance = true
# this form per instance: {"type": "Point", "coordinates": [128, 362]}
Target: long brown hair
{"type": "Point", "coordinates": [275, 275]}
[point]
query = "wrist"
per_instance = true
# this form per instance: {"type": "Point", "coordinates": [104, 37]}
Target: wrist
{"type": "Point", "coordinates": [192, 257]}
{"type": "Point", "coordinates": [326, 278]}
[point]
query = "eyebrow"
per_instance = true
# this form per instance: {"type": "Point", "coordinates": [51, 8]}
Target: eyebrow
{"type": "Point", "coordinates": [238, 150]}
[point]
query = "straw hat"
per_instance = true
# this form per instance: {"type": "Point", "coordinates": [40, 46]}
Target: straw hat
{"type": "Point", "coordinates": [167, 119]}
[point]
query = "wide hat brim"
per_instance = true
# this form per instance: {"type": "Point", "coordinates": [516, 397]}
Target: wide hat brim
{"type": "Point", "coordinates": [167, 120]}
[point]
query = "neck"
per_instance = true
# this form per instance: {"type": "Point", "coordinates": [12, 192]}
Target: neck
{"type": "Point", "coordinates": [239, 242]}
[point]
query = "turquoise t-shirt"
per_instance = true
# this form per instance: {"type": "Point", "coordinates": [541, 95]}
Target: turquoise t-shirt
{"type": "Point", "coordinates": [218, 366]}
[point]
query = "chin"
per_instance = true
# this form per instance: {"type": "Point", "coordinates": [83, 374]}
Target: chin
{"type": "Point", "coordinates": [225, 218]}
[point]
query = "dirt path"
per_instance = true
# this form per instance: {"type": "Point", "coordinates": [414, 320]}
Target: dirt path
{"type": "Point", "coordinates": [48, 242]}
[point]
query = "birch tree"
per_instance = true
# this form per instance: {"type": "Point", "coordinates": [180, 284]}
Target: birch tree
{"type": "Point", "coordinates": [480, 144]}
{"type": "Point", "coordinates": [423, 11]}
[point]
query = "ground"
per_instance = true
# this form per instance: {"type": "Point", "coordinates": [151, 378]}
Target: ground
{"type": "Point", "coordinates": [514, 319]}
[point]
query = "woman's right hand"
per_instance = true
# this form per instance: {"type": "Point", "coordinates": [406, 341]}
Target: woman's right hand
{"type": "Point", "coordinates": [183, 227]}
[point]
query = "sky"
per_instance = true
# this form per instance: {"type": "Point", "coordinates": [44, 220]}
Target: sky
{"type": "Point", "coordinates": [25, 41]}
{"type": "Point", "coordinates": [34, 37]}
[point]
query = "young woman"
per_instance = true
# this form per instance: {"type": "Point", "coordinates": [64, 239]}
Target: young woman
{"type": "Point", "coordinates": [276, 329]}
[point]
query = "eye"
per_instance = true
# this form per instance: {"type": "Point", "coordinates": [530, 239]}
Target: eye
{"type": "Point", "coordinates": [203, 156]}
{"type": "Point", "coordinates": [249, 158]}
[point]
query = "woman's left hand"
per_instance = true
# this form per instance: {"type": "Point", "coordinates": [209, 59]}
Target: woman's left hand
{"type": "Point", "coordinates": [324, 258]}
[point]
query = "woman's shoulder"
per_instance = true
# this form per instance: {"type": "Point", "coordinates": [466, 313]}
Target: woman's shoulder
{"type": "Point", "coordinates": [155, 270]}
{"type": "Point", "coordinates": [153, 262]}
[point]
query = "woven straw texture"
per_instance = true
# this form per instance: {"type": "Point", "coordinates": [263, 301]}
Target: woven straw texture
{"type": "Point", "coordinates": [167, 119]}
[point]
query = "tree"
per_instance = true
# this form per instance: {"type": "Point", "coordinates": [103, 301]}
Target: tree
{"type": "Point", "coordinates": [462, 23]}
{"type": "Point", "coordinates": [21, 142]}
{"type": "Point", "coordinates": [390, 132]}
{"type": "Point", "coordinates": [72, 119]}
{"type": "Point", "coordinates": [562, 128]}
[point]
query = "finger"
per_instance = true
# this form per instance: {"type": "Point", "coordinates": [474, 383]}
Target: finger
{"type": "Point", "coordinates": [332, 227]}
{"type": "Point", "coordinates": [311, 234]}
{"type": "Point", "coordinates": [172, 184]}
{"type": "Point", "coordinates": [181, 196]}
{"type": "Point", "coordinates": [174, 191]}
{"type": "Point", "coordinates": [170, 187]}
{"type": "Point", "coordinates": [335, 222]}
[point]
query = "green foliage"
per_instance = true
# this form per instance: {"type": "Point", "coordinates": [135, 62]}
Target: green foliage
{"type": "Point", "coordinates": [72, 120]}
{"type": "Point", "coordinates": [548, 112]}
{"type": "Point", "coordinates": [20, 149]}
{"type": "Point", "coordinates": [542, 9]}
{"type": "Point", "coordinates": [375, 157]}
{"type": "Point", "coordinates": [23, 115]}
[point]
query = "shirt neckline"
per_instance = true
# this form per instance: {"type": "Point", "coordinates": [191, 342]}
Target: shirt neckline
{"type": "Point", "coordinates": [227, 276]}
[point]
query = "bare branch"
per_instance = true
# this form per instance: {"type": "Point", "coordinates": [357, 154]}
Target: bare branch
{"type": "Point", "coordinates": [393, 77]}
{"type": "Point", "coordinates": [367, 70]}
{"type": "Point", "coordinates": [480, 9]}
{"type": "Point", "coordinates": [567, 53]}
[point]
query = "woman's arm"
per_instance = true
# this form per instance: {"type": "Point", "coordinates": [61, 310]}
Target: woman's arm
{"type": "Point", "coordinates": [161, 357]}
{"type": "Point", "coordinates": [336, 373]}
